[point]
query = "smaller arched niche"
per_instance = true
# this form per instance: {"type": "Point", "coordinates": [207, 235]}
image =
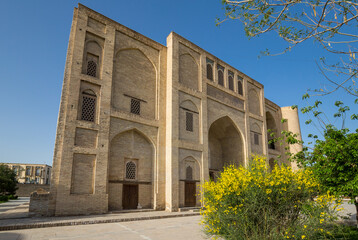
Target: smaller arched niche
{"type": "Point", "coordinates": [271, 130]}
{"type": "Point", "coordinates": [254, 102]}
{"type": "Point", "coordinates": [231, 82]}
{"type": "Point", "coordinates": [256, 138]}
{"type": "Point", "coordinates": [88, 106]}
{"type": "Point", "coordinates": [189, 187]}
{"type": "Point", "coordinates": [188, 121]}
{"type": "Point", "coordinates": [220, 71]}
{"type": "Point", "coordinates": [188, 71]}
{"type": "Point", "coordinates": [92, 59]}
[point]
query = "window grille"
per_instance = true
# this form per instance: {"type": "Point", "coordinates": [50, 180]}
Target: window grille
{"type": "Point", "coordinates": [231, 83]}
{"type": "Point", "coordinates": [92, 68]}
{"type": "Point", "coordinates": [189, 122]}
{"type": "Point", "coordinates": [189, 173]}
{"type": "Point", "coordinates": [221, 77]}
{"type": "Point", "coordinates": [131, 170]}
{"type": "Point", "coordinates": [239, 87]}
{"type": "Point", "coordinates": [256, 139]}
{"type": "Point", "coordinates": [209, 71]}
{"type": "Point", "coordinates": [88, 107]}
{"type": "Point", "coordinates": [135, 106]}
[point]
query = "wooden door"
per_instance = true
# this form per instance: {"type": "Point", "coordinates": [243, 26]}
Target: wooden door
{"type": "Point", "coordinates": [190, 194]}
{"type": "Point", "coordinates": [130, 196]}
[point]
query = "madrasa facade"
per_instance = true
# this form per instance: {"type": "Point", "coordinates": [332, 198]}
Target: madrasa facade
{"type": "Point", "coordinates": [143, 125]}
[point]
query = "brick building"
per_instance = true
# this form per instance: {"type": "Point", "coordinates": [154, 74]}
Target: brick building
{"type": "Point", "coordinates": [143, 125]}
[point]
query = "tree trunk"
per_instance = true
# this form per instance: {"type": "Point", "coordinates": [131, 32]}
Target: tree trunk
{"type": "Point", "coordinates": [356, 204]}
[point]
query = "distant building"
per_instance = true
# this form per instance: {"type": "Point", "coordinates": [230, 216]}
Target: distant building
{"type": "Point", "coordinates": [31, 173]}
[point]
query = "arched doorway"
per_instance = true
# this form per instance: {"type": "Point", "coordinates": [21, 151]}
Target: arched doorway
{"type": "Point", "coordinates": [130, 171]}
{"type": "Point", "coordinates": [189, 186]}
{"type": "Point", "coordinates": [225, 146]}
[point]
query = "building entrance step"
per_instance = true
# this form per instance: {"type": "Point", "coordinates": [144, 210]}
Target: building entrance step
{"type": "Point", "coordinates": [189, 209]}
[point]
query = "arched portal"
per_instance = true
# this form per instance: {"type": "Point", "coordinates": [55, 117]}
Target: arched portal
{"type": "Point", "coordinates": [130, 171]}
{"type": "Point", "coordinates": [225, 145]}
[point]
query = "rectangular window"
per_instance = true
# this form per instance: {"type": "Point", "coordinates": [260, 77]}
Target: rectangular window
{"type": "Point", "coordinates": [28, 171]}
{"type": "Point", "coordinates": [189, 122]}
{"type": "Point", "coordinates": [88, 108]}
{"type": "Point", "coordinates": [38, 171]}
{"type": "Point", "coordinates": [135, 106]}
{"type": "Point", "coordinates": [256, 139]}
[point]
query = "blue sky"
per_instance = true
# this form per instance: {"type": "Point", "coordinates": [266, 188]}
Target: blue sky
{"type": "Point", "coordinates": [33, 47]}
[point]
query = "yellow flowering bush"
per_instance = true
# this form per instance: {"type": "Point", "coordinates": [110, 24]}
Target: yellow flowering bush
{"type": "Point", "coordinates": [254, 203]}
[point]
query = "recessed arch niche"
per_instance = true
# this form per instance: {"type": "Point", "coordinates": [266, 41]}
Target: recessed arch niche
{"type": "Point", "coordinates": [134, 76]}
{"type": "Point", "coordinates": [130, 146]}
{"type": "Point", "coordinates": [226, 145]}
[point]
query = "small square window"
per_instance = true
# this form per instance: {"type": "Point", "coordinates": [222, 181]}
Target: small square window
{"type": "Point", "coordinates": [189, 122]}
{"type": "Point", "coordinates": [135, 106]}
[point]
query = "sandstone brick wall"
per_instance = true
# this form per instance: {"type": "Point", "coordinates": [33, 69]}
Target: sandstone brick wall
{"type": "Point", "coordinates": [25, 190]}
{"type": "Point", "coordinates": [39, 203]}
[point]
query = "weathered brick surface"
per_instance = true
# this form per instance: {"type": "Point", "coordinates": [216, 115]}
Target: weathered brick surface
{"type": "Point", "coordinates": [25, 190]}
{"type": "Point", "coordinates": [39, 203]}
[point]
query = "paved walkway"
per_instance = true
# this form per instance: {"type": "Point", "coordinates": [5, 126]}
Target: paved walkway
{"type": "Point", "coordinates": [18, 208]}
{"type": "Point", "coordinates": [43, 222]}
{"type": "Point", "coordinates": [185, 228]}
{"type": "Point", "coordinates": [14, 215]}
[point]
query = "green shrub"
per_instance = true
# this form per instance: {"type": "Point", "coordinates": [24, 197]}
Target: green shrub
{"type": "Point", "coordinates": [4, 198]}
{"type": "Point", "coordinates": [253, 203]}
{"type": "Point", "coordinates": [13, 197]}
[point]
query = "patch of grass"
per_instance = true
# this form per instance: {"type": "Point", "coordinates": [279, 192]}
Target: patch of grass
{"type": "Point", "coordinates": [343, 232]}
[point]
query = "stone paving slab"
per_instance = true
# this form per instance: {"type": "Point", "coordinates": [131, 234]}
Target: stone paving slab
{"type": "Point", "coordinates": [44, 222]}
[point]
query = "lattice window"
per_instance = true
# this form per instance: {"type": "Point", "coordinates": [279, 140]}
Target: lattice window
{"type": "Point", "coordinates": [189, 122]}
{"type": "Point", "coordinates": [256, 139]}
{"type": "Point", "coordinates": [231, 83]}
{"type": "Point", "coordinates": [135, 106]}
{"type": "Point", "coordinates": [92, 68]}
{"type": "Point", "coordinates": [209, 71]}
{"type": "Point", "coordinates": [221, 77]}
{"type": "Point", "coordinates": [131, 170]}
{"type": "Point", "coordinates": [189, 173]}
{"type": "Point", "coordinates": [88, 106]}
{"type": "Point", "coordinates": [239, 87]}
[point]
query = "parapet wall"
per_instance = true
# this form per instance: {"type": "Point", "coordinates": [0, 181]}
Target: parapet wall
{"type": "Point", "coordinates": [39, 203]}
{"type": "Point", "coordinates": [25, 190]}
